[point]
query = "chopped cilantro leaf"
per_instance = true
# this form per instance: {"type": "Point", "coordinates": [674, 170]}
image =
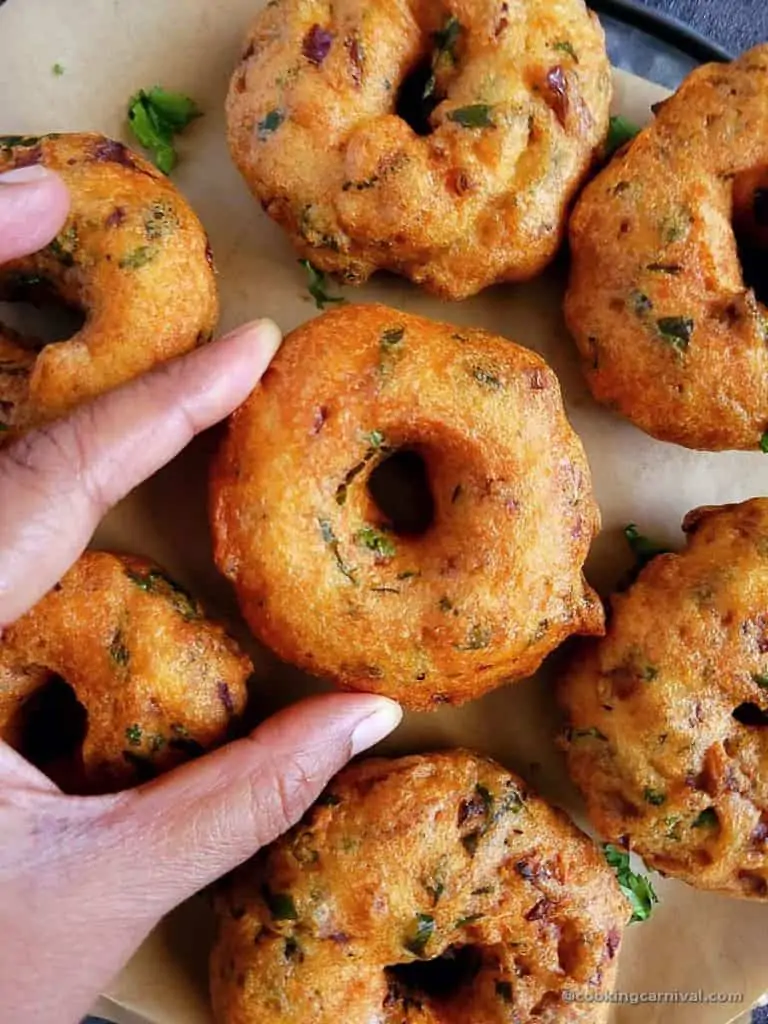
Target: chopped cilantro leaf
{"type": "Point", "coordinates": [764, 443]}
{"type": "Point", "coordinates": [676, 330]}
{"type": "Point", "coordinates": [637, 888]}
{"type": "Point", "coordinates": [269, 124]}
{"type": "Point", "coordinates": [138, 257]}
{"type": "Point", "coordinates": [620, 132]}
{"type": "Point", "coordinates": [373, 539]}
{"type": "Point", "coordinates": [24, 141]}
{"type": "Point", "coordinates": [376, 440]}
{"type": "Point", "coordinates": [280, 904]}
{"type": "Point", "coordinates": [477, 115]}
{"type": "Point", "coordinates": [486, 378]}
{"type": "Point", "coordinates": [133, 735]}
{"type": "Point", "coordinates": [445, 40]}
{"type": "Point", "coordinates": [654, 796]}
{"type": "Point", "coordinates": [58, 69]}
{"type": "Point", "coordinates": [642, 547]}
{"type": "Point", "coordinates": [421, 933]}
{"type": "Point", "coordinates": [392, 336]}
{"type": "Point", "coordinates": [447, 37]}
{"type": "Point", "coordinates": [707, 819]}
{"type": "Point", "coordinates": [155, 116]}
{"type": "Point", "coordinates": [156, 582]}
{"type": "Point", "coordinates": [565, 47]}
{"type": "Point", "coordinates": [593, 733]}
{"type": "Point", "coordinates": [316, 286]}
{"type": "Point", "coordinates": [330, 538]}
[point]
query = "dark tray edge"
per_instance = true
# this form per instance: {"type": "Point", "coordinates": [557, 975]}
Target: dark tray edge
{"type": "Point", "coordinates": [664, 27]}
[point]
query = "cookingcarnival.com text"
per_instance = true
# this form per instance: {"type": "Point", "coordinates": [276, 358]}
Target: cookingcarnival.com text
{"type": "Point", "coordinates": [638, 998]}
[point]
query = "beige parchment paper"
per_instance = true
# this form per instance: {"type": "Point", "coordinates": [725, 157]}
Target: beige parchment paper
{"type": "Point", "coordinates": [110, 48]}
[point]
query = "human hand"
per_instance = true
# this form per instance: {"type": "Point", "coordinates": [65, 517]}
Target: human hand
{"type": "Point", "coordinates": [84, 879]}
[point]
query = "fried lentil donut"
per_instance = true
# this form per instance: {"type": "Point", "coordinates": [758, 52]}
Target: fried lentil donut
{"type": "Point", "coordinates": [476, 595]}
{"type": "Point", "coordinates": [132, 256]}
{"type": "Point", "coordinates": [668, 734]}
{"type": "Point", "coordinates": [507, 104]}
{"type": "Point", "coordinates": [669, 333]}
{"type": "Point", "coordinates": [155, 681]}
{"type": "Point", "coordinates": [403, 868]}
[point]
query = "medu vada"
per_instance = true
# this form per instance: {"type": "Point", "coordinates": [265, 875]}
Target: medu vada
{"type": "Point", "coordinates": [425, 608]}
{"type": "Point", "coordinates": [441, 141]}
{"type": "Point", "coordinates": [670, 333]}
{"type": "Point", "coordinates": [428, 889]}
{"type": "Point", "coordinates": [668, 715]}
{"type": "Point", "coordinates": [132, 257]}
{"type": "Point", "coordinates": [116, 676]}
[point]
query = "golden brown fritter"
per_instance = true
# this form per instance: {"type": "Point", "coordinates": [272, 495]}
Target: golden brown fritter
{"type": "Point", "coordinates": [668, 736]}
{"type": "Point", "coordinates": [483, 588]}
{"type": "Point", "coordinates": [440, 141]}
{"type": "Point", "coordinates": [132, 256]}
{"type": "Point", "coordinates": [427, 890]}
{"type": "Point", "coordinates": [670, 335]}
{"type": "Point", "coordinates": [156, 682]}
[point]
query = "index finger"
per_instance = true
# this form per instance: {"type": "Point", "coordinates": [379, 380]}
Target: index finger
{"type": "Point", "coordinates": [57, 482]}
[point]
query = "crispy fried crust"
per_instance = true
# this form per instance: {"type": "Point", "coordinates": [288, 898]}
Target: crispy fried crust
{"type": "Point", "coordinates": [518, 107]}
{"type": "Point", "coordinates": [132, 256]}
{"type": "Point", "coordinates": [495, 582]}
{"type": "Point", "coordinates": [406, 861]}
{"type": "Point", "coordinates": [669, 334]}
{"type": "Point", "coordinates": [159, 682]}
{"type": "Point", "coordinates": [668, 714]}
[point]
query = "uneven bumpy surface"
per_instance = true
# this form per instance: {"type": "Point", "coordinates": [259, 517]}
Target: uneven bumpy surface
{"type": "Point", "coordinates": [668, 735]}
{"type": "Point", "coordinates": [431, 889]}
{"type": "Point", "coordinates": [508, 102]}
{"type": "Point", "coordinates": [132, 256]}
{"type": "Point", "coordinates": [156, 682]}
{"type": "Point", "coordinates": [479, 592]}
{"type": "Point", "coordinates": [670, 334]}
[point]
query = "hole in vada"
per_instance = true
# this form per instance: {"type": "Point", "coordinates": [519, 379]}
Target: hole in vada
{"type": "Point", "coordinates": [438, 979]}
{"type": "Point", "coordinates": [750, 225]}
{"type": "Point", "coordinates": [416, 98]}
{"type": "Point", "coordinates": [399, 485]}
{"type": "Point", "coordinates": [52, 727]}
{"type": "Point", "coordinates": [40, 318]}
{"type": "Point", "coordinates": [750, 714]}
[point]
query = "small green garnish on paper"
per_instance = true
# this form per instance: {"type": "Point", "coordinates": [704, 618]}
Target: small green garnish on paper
{"type": "Point", "coordinates": [643, 548]}
{"type": "Point", "coordinates": [637, 888]}
{"type": "Point", "coordinates": [620, 132]}
{"type": "Point", "coordinates": [155, 116]}
{"type": "Point", "coordinates": [316, 284]}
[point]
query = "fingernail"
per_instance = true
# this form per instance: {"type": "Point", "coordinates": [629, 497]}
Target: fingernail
{"type": "Point", "coordinates": [264, 333]}
{"type": "Point", "coordinates": [25, 175]}
{"type": "Point", "coordinates": [376, 726]}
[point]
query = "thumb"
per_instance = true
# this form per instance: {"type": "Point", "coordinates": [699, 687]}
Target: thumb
{"type": "Point", "coordinates": [33, 207]}
{"type": "Point", "coordinates": [180, 833]}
